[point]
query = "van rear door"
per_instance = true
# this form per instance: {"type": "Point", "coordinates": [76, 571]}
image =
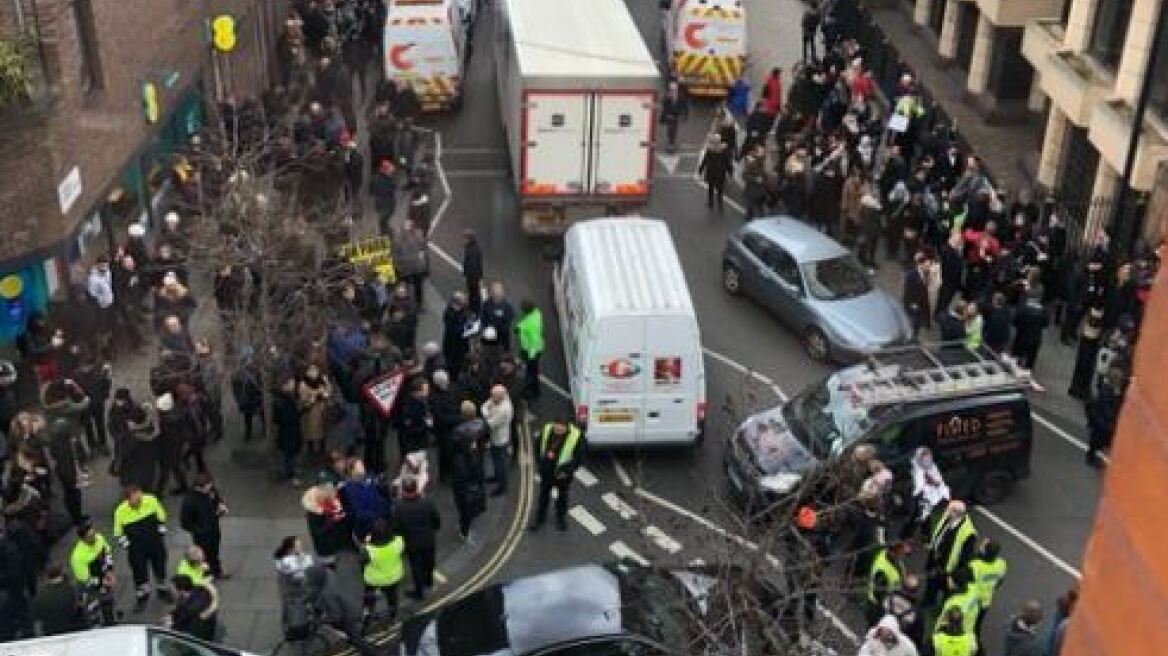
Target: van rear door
{"type": "Point", "coordinates": [671, 383]}
{"type": "Point", "coordinates": [622, 143]}
{"type": "Point", "coordinates": [553, 139]}
{"type": "Point", "coordinates": [616, 410]}
{"type": "Point", "coordinates": [423, 51]}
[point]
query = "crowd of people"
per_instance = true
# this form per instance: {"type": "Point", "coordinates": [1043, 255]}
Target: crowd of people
{"type": "Point", "coordinates": [66, 424]}
{"type": "Point", "coordinates": [874, 168]}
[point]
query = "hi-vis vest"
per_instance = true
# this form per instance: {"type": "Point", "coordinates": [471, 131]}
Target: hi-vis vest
{"type": "Point", "coordinates": [90, 562]}
{"type": "Point", "coordinates": [197, 573]}
{"type": "Point", "coordinates": [968, 603]}
{"type": "Point", "coordinates": [566, 449]}
{"type": "Point", "coordinates": [987, 576]}
{"type": "Point", "coordinates": [385, 565]}
{"type": "Point", "coordinates": [964, 531]}
{"type": "Point", "coordinates": [945, 644]}
{"type": "Point", "coordinates": [882, 564]}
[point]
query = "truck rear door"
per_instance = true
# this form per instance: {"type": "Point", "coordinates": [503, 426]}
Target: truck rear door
{"type": "Point", "coordinates": [555, 132]}
{"type": "Point", "coordinates": [622, 139]}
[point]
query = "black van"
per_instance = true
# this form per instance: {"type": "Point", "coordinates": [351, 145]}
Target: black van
{"type": "Point", "coordinates": [969, 407]}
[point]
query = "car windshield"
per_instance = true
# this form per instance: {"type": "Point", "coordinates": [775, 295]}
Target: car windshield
{"type": "Point", "coordinates": [824, 419]}
{"type": "Point", "coordinates": [766, 438]}
{"type": "Point", "coordinates": [836, 279]}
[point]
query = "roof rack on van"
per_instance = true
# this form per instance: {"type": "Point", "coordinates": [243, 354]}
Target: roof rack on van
{"type": "Point", "coordinates": [925, 372]}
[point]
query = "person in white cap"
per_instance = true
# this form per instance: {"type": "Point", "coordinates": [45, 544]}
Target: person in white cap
{"type": "Point", "coordinates": [172, 233]}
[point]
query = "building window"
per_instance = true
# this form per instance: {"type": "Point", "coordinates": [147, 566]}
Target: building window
{"type": "Point", "coordinates": [1109, 31]}
{"type": "Point", "coordinates": [90, 74]}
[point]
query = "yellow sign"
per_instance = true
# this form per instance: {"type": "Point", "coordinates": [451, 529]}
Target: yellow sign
{"type": "Point", "coordinates": [372, 252]}
{"type": "Point", "coordinates": [150, 102]}
{"type": "Point", "coordinates": [223, 33]}
{"type": "Point", "coordinates": [11, 286]}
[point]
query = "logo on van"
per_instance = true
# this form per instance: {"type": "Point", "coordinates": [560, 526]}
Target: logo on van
{"type": "Point", "coordinates": [958, 429]}
{"type": "Point", "coordinates": [620, 368]}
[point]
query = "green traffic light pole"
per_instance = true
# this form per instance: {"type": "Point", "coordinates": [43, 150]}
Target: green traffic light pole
{"type": "Point", "coordinates": [1126, 226]}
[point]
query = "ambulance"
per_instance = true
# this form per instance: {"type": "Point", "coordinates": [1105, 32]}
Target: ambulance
{"type": "Point", "coordinates": [426, 45]}
{"type": "Point", "coordinates": [705, 43]}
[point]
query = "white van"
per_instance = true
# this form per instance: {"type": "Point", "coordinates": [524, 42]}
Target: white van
{"type": "Point", "coordinates": [426, 43]}
{"type": "Point", "coordinates": [127, 640]}
{"type": "Point", "coordinates": [630, 334]}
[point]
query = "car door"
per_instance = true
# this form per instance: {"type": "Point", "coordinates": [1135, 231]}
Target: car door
{"type": "Point", "coordinates": [786, 285]}
{"type": "Point", "coordinates": [751, 254]}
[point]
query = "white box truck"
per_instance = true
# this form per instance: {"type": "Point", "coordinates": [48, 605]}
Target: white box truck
{"type": "Point", "coordinates": [577, 90]}
{"type": "Point", "coordinates": [630, 334]}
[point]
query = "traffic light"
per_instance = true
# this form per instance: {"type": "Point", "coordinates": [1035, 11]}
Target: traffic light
{"type": "Point", "coordinates": [223, 32]}
{"type": "Point", "coordinates": [150, 102]}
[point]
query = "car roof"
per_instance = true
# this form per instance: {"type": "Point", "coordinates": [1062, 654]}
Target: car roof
{"type": "Point", "coordinates": [803, 242]}
{"type": "Point", "coordinates": [124, 640]}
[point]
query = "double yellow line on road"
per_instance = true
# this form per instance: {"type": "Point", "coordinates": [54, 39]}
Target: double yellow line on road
{"type": "Point", "coordinates": [502, 554]}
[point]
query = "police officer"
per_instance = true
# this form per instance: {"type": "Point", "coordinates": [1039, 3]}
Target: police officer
{"type": "Point", "coordinates": [140, 528]}
{"type": "Point", "coordinates": [193, 565]}
{"type": "Point", "coordinates": [561, 447]}
{"type": "Point", "coordinates": [952, 542]}
{"type": "Point", "coordinates": [884, 576]}
{"type": "Point", "coordinates": [964, 597]}
{"type": "Point", "coordinates": [951, 638]}
{"type": "Point", "coordinates": [92, 563]}
{"type": "Point", "coordinates": [986, 569]}
{"type": "Point", "coordinates": [384, 567]}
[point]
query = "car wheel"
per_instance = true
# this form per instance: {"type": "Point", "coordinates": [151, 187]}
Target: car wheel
{"type": "Point", "coordinates": [816, 345]}
{"type": "Point", "coordinates": [992, 487]}
{"type": "Point", "coordinates": [731, 279]}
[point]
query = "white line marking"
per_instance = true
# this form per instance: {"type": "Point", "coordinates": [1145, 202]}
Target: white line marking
{"type": "Point", "coordinates": [1076, 442]}
{"type": "Point", "coordinates": [587, 519]}
{"type": "Point", "coordinates": [1026, 540]}
{"type": "Point", "coordinates": [738, 539]}
{"type": "Point", "coordinates": [622, 550]}
{"type": "Point", "coordinates": [446, 192]}
{"type": "Point", "coordinates": [623, 475]}
{"type": "Point", "coordinates": [774, 562]}
{"type": "Point", "coordinates": [618, 505]}
{"type": "Point", "coordinates": [555, 387]}
{"type": "Point", "coordinates": [697, 562]}
{"type": "Point", "coordinates": [662, 540]}
{"type": "Point", "coordinates": [587, 478]}
{"type": "Point", "coordinates": [439, 577]}
{"type": "Point", "coordinates": [743, 369]}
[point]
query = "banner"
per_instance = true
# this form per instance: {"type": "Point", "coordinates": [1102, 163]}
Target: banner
{"type": "Point", "coordinates": [372, 252]}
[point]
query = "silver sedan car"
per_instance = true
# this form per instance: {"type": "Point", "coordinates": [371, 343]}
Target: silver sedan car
{"type": "Point", "coordinates": [815, 286]}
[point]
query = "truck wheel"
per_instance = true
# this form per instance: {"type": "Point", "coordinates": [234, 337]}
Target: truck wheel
{"type": "Point", "coordinates": [992, 487]}
{"type": "Point", "coordinates": [816, 345]}
{"type": "Point", "coordinates": [731, 279]}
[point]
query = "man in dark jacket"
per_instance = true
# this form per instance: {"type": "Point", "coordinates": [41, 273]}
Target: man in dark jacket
{"type": "Point", "coordinates": [201, 509]}
{"type": "Point", "coordinates": [338, 609]}
{"type": "Point", "coordinates": [353, 167]}
{"type": "Point", "coordinates": [952, 272]}
{"type": "Point", "coordinates": [194, 612]}
{"type": "Point", "coordinates": [498, 313]}
{"type": "Point", "coordinates": [289, 436]}
{"type": "Point", "coordinates": [674, 108]}
{"type": "Point", "coordinates": [468, 480]}
{"type": "Point", "coordinates": [416, 518]}
{"type": "Point", "coordinates": [57, 608]}
{"type": "Point", "coordinates": [916, 294]}
{"type": "Point", "coordinates": [561, 447]}
{"type": "Point", "coordinates": [245, 387]}
{"type": "Point", "coordinates": [444, 409]}
{"type": "Point", "coordinates": [413, 420]}
{"type": "Point", "coordinates": [1022, 634]}
{"type": "Point", "coordinates": [1103, 412]}
{"type": "Point", "coordinates": [472, 270]}
{"type": "Point", "coordinates": [383, 188]}
{"type": "Point", "coordinates": [715, 167]}
{"type": "Point", "coordinates": [173, 433]}
{"type": "Point", "coordinates": [454, 341]}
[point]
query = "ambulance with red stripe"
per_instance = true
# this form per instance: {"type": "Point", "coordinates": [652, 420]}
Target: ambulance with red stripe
{"type": "Point", "coordinates": [426, 44]}
{"type": "Point", "coordinates": [705, 43]}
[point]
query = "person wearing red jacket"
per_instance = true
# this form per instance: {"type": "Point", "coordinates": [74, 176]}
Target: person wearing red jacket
{"type": "Point", "coordinates": [981, 250]}
{"type": "Point", "coordinates": [772, 93]}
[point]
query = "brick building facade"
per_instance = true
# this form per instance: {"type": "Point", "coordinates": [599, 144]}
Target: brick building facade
{"type": "Point", "coordinates": [85, 139]}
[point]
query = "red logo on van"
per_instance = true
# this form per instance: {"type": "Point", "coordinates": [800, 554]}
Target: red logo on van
{"type": "Point", "coordinates": [691, 35]}
{"type": "Point", "coordinates": [619, 368]}
{"type": "Point", "coordinates": [397, 59]}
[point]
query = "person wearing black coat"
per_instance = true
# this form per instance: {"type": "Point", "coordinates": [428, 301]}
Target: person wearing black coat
{"type": "Point", "coordinates": [1120, 298]}
{"type": "Point", "coordinates": [57, 609]}
{"type": "Point", "coordinates": [173, 434]}
{"type": "Point", "coordinates": [413, 420]}
{"type": "Point", "coordinates": [289, 436]}
{"type": "Point", "coordinates": [353, 167]}
{"type": "Point", "coordinates": [249, 397]}
{"type": "Point", "coordinates": [1102, 414]}
{"type": "Point", "coordinates": [999, 320]}
{"type": "Point", "coordinates": [201, 509]}
{"type": "Point", "coordinates": [916, 294]}
{"type": "Point", "coordinates": [717, 164]}
{"type": "Point", "coordinates": [418, 521]}
{"type": "Point", "coordinates": [454, 344]}
{"type": "Point", "coordinates": [472, 270]}
{"type": "Point", "coordinates": [139, 456]}
{"type": "Point", "coordinates": [467, 477]}
{"type": "Point", "coordinates": [952, 272]}
{"type": "Point", "coordinates": [1032, 318]}
{"type": "Point", "coordinates": [444, 409]}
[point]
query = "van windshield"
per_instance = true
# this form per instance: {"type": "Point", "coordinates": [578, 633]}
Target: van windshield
{"type": "Point", "coordinates": [824, 421]}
